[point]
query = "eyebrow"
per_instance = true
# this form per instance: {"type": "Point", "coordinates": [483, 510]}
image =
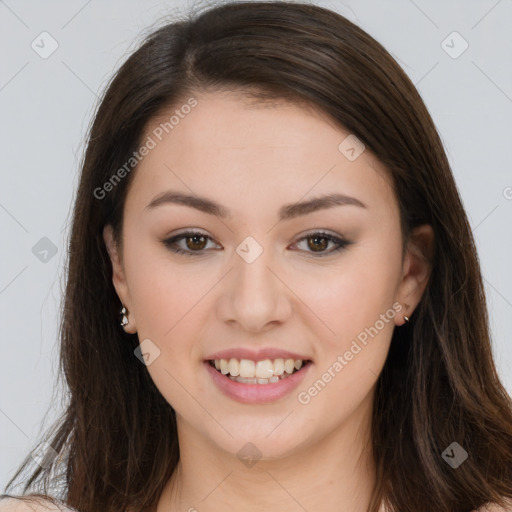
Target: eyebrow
{"type": "Point", "coordinates": [286, 212]}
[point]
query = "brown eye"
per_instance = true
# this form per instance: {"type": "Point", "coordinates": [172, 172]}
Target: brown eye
{"type": "Point", "coordinates": [194, 243]}
{"type": "Point", "coordinates": [318, 242]}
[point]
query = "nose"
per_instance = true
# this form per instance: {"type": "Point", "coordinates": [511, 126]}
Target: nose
{"type": "Point", "coordinates": [256, 297]}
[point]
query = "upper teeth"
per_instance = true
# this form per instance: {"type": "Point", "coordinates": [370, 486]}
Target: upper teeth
{"type": "Point", "coordinates": [260, 369]}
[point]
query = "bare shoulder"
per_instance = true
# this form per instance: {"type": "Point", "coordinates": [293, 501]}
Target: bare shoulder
{"type": "Point", "coordinates": [39, 505]}
{"type": "Point", "coordinates": [494, 508]}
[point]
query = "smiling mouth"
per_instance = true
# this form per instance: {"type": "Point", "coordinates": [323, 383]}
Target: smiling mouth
{"type": "Point", "coordinates": [267, 371]}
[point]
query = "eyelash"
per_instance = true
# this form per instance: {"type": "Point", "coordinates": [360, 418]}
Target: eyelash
{"type": "Point", "coordinates": [170, 243]}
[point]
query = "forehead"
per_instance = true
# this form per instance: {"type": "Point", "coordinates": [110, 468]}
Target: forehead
{"type": "Point", "coordinates": [232, 148]}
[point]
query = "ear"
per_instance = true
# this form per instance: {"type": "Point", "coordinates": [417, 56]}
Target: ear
{"type": "Point", "coordinates": [416, 269]}
{"type": "Point", "coordinates": [119, 277]}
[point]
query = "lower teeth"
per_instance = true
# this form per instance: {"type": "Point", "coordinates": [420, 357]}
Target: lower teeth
{"type": "Point", "coordinates": [259, 381]}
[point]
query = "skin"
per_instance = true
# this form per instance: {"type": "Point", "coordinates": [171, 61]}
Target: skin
{"type": "Point", "coordinates": [315, 455]}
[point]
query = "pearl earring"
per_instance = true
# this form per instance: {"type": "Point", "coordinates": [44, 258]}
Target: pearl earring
{"type": "Point", "coordinates": [406, 318]}
{"type": "Point", "coordinates": [124, 320]}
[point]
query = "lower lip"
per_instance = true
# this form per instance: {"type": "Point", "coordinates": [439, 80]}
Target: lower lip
{"type": "Point", "coordinates": [256, 393]}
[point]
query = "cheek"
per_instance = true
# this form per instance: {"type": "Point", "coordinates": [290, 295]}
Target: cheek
{"type": "Point", "coordinates": [351, 295]}
{"type": "Point", "coordinates": [171, 308]}
{"type": "Point", "coordinates": [347, 295]}
{"type": "Point", "coordinates": [356, 304]}
{"type": "Point", "coordinates": [163, 292]}
{"type": "Point", "coordinates": [355, 300]}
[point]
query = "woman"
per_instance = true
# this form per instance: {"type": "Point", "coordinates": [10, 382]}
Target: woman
{"type": "Point", "coordinates": [266, 209]}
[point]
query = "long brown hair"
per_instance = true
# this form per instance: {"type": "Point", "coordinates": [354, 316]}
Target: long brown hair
{"type": "Point", "coordinates": [117, 440]}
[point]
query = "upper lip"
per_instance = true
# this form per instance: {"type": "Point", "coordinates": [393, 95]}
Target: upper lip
{"type": "Point", "coordinates": [256, 355]}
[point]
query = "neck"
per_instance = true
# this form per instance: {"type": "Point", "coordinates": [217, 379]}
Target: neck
{"type": "Point", "coordinates": [334, 473]}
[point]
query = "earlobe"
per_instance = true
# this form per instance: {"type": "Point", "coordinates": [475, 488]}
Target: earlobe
{"type": "Point", "coordinates": [119, 279]}
{"type": "Point", "coordinates": [416, 270]}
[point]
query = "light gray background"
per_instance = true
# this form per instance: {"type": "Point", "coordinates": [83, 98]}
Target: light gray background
{"type": "Point", "coordinates": [46, 106]}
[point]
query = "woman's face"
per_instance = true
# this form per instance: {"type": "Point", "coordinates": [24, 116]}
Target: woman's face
{"type": "Point", "coordinates": [261, 280]}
